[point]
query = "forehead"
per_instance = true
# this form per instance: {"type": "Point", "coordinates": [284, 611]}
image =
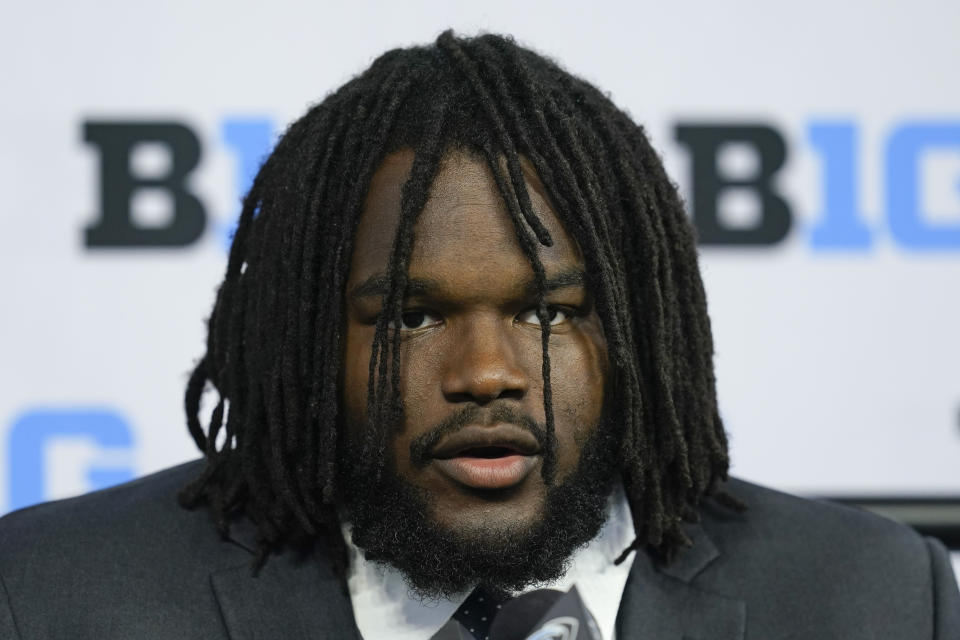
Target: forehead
{"type": "Point", "coordinates": [464, 225]}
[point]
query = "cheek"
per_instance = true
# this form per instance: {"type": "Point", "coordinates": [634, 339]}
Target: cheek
{"type": "Point", "coordinates": [356, 366]}
{"type": "Point", "coordinates": [419, 385]}
{"type": "Point", "coordinates": [422, 363]}
{"type": "Point", "coordinates": [578, 369]}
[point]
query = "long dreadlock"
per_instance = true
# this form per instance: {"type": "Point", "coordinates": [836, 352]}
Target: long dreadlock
{"type": "Point", "coordinates": [274, 343]}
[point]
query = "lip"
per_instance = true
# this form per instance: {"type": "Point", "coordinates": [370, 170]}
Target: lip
{"type": "Point", "coordinates": [488, 473]}
{"type": "Point", "coordinates": [460, 457]}
{"type": "Point", "coordinates": [504, 435]}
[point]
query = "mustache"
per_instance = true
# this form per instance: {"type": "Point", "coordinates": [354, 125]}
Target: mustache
{"type": "Point", "coordinates": [423, 445]}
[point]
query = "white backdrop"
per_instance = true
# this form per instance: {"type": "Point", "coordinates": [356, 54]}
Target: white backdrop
{"type": "Point", "coordinates": [837, 365]}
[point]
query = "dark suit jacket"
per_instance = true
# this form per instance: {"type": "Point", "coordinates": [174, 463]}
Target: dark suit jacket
{"type": "Point", "coordinates": [128, 562]}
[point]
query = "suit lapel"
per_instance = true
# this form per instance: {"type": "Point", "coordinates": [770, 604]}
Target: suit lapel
{"type": "Point", "coordinates": [293, 596]}
{"type": "Point", "coordinates": [661, 604]}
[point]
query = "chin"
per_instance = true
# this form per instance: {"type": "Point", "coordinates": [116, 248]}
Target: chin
{"type": "Point", "coordinates": [507, 545]}
{"type": "Point", "coordinates": [447, 538]}
{"type": "Point", "coordinates": [490, 520]}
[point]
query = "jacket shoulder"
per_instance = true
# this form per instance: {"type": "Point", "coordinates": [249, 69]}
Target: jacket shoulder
{"type": "Point", "coordinates": [90, 562]}
{"type": "Point", "coordinates": [790, 519]}
{"type": "Point", "coordinates": [781, 519]}
{"type": "Point", "coordinates": [823, 565]}
{"type": "Point", "coordinates": [118, 517]}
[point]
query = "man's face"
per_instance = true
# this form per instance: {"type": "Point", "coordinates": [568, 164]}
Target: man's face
{"type": "Point", "coordinates": [470, 357]}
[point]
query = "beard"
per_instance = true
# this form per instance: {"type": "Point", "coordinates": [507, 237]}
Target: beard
{"type": "Point", "coordinates": [392, 523]}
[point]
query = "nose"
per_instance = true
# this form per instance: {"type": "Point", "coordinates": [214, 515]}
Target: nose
{"type": "Point", "coordinates": [484, 367]}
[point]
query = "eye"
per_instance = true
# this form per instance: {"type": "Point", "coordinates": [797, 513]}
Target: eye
{"type": "Point", "coordinates": [557, 316]}
{"type": "Point", "coordinates": [413, 320]}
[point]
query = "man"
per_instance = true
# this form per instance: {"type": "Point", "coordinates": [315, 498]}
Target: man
{"type": "Point", "coordinates": [461, 351]}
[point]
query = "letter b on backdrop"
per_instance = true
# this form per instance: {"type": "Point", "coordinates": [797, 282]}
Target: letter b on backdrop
{"type": "Point", "coordinates": [705, 143]}
{"type": "Point", "coordinates": [119, 182]}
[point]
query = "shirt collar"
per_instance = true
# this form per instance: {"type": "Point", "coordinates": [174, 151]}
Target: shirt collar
{"type": "Point", "coordinates": [383, 608]}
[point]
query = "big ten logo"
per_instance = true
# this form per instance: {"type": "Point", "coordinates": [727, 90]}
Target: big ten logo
{"type": "Point", "coordinates": [55, 453]}
{"type": "Point", "coordinates": [840, 225]}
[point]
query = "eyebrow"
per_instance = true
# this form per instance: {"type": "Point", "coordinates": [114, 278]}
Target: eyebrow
{"type": "Point", "coordinates": [378, 285]}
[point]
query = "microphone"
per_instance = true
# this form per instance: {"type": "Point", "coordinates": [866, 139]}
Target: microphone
{"type": "Point", "coordinates": [453, 630]}
{"type": "Point", "coordinates": [545, 614]}
{"type": "Point", "coordinates": [520, 615]}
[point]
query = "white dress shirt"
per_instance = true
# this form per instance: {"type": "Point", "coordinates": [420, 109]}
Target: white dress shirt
{"type": "Point", "coordinates": [383, 607]}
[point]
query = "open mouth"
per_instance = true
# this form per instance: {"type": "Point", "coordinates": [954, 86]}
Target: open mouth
{"type": "Point", "coordinates": [482, 457]}
{"type": "Point", "coordinates": [488, 452]}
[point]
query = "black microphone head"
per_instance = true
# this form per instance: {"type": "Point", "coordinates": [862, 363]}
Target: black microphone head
{"type": "Point", "coordinates": [565, 618]}
{"type": "Point", "coordinates": [453, 630]}
{"type": "Point", "coordinates": [518, 617]}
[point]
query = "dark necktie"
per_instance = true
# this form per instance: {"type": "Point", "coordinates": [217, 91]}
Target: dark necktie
{"type": "Point", "coordinates": [477, 612]}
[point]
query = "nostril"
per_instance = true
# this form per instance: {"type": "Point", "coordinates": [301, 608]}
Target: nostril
{"type": "Point", "coordinates": [482, 399]}
{"type": "Point", "coordinates": [511, 394]}
{"type": "Point", "coordinates": [461, 397]}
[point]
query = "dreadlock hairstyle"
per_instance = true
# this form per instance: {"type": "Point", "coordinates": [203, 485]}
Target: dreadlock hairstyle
{"type": "Point", "coordinates": [274, 345]}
